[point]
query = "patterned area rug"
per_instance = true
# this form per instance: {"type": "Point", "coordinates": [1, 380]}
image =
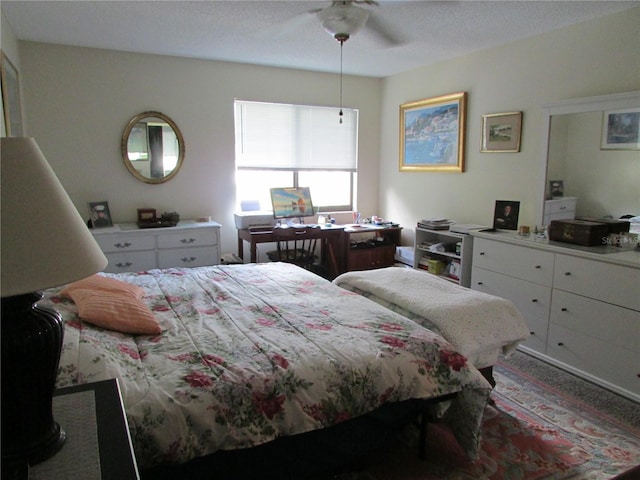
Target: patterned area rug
{"type": "Point", "coordinates": [533, 431]}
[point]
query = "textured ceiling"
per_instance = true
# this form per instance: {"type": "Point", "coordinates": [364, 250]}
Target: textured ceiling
{"type": "Point", "coordinates": [285, 34]}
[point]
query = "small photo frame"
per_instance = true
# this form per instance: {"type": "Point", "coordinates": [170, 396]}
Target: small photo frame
{"type": "Point", "coordinates": [556, 188]}
{"type": "Point", "coordinates": [501, 132]}
{"type": "Point", "coordinates": [505, 215]}
{"type": "Point", "coordinates": [621, 129]}
{"type": "Point", "coordinates": [100, 216]}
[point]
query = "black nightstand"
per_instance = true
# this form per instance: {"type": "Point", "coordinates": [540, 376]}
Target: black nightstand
{"type": "Point", "coordinates": [98, 443]}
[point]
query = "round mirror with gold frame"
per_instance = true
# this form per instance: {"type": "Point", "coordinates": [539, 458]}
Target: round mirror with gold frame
{"type": "Point", "coordinates": [152, 147]}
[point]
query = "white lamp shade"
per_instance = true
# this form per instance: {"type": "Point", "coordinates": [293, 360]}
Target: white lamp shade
{"type": "Point", "coordinates": [45, 242]}
{"type": "Point", "coordinates": [343, 19]}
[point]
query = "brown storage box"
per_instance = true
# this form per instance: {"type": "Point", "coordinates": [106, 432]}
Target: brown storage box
{"type": "Point", "coordinates": [580, 232]}
{"type": "Point", "coordinates": [613, 226]}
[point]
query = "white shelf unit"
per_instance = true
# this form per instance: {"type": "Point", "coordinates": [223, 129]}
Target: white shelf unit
{"type": "Point", "coordinates": [424, 250]}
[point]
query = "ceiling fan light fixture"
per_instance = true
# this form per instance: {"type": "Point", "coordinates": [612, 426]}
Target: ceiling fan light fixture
{"type": "Point", "coordinates": [343, 19]}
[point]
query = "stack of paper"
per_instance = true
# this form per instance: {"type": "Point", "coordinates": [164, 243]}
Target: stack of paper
{"type": "Point", "coordinates": [435, 223]}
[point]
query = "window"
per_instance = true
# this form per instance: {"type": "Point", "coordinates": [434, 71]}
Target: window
{"type": "Point", "coordinates": [281, 145]}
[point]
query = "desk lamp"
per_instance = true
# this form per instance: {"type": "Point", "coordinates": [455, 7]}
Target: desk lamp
{"type": "Point", "coordinates": [45, 243]}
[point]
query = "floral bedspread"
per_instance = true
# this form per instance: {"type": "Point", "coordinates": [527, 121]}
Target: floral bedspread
{"type": "Point", "coordinates": [252, 352]}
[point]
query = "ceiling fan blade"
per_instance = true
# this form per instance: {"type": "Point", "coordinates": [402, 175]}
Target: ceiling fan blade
{"type": "Point", "coordinates": [382, 33]}
{"type": "Point", "coordinates": [289, 27]}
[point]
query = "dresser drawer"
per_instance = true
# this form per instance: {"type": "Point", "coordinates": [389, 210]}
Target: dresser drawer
{"type": "Point", "coordinates": [611, 283]}
{"type": "Point", "coordinates": [531, 299]}
{"type": "Point", "coordinates": [526, 263]}
{"type": "Point", "coordinates": [188, 257]}
{"type": "Point", "coordinates": [619, 327]}
{"type": "Point", "coordinates": [194, 237]}
{"type": "Point", "coordinates": [561, 205]}
{"type": "Point", "coordinates": [125, 243]}
{"type": "Point", "coordinates": [618, 366]}
{"type": "Point", "coordinates": [130, 262]}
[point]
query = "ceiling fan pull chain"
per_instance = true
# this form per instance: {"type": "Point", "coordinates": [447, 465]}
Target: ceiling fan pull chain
{"type": "Point", "coordinates": [341, 113]}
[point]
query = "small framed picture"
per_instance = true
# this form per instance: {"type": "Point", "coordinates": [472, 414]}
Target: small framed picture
{"type": "Point", "coordinates": [621, 129]}
{"type": "Point", "coordinates": [100, 216]}
{"type": "Point", "coordinates": [501, 132]}
{"type": "Point", "coordinates": [556, 188]}
{"type": "Point", "coordinates": [505, 215]}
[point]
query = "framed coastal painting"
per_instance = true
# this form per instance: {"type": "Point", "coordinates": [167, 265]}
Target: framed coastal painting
{"type": "Point", "coordinates": [621, 129]}
{"type": "Point", "coordinates": [11, 109]}
{"type": "Point", "coordinates": [501, 132]}
{"type": "Point", "coordinates": [432, 134]}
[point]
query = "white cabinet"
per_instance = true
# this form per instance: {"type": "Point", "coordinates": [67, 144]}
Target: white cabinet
{"type": "Point", "coordinates": [581, 304]}
{"type": "Point", "coordinates": [189, 244]}
{"type": "Point", "coordinates": [559, 209]}
{"type": "Point", "coordinates": [521, 275]}
{"type": "Point", "coordinates": [444, 253]}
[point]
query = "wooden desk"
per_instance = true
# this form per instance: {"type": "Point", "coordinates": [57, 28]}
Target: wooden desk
{"type": "Point", "coordinates": [330, 241]}
{"type": "Point", "coordinates": [337, 252]}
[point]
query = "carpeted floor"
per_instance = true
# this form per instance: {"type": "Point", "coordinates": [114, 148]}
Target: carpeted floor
{"type": "Point", "coordinates": [545, 424]}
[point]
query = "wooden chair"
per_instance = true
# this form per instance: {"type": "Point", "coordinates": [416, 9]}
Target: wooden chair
{"type": "Point", "coordinates": [295, 245]}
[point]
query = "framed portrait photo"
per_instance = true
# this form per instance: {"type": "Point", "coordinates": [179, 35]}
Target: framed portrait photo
{"type": "Point", "coordinates": [100, 215]}
{"type": "Point", "coordinates": [621, 129]}
{"type": "Point", "coordinates": [505, 216]}
{"type": "Point", "coordinates": [432, 134]}
{"type": "Point", "coordinates": [501, 132]}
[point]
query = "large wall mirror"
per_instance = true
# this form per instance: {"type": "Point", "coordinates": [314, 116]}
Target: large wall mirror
{"type": "Point", "coordinates": [606, 182]}
{"type": "Point", "coordinates": [152, 147]}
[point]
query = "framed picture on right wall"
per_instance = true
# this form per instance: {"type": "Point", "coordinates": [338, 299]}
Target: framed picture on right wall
{"type": "Point", "coordinates": [501, 132]}
{"type": "Point", "coordinates": [621, 129]}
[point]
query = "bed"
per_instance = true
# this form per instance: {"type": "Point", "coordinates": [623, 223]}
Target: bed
{"type": "Point", "coordinates": [482, 327]}
{"type": "Point", "coordinates": [246, 354]}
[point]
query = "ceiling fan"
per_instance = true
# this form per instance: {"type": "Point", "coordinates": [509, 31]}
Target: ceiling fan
{"type": "Point", "coordinates": [341, 19]}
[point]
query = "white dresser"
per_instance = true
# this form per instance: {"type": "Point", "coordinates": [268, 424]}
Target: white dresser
{"type": "Point", "coordinates": [130, 248]}
{"type": "Point", "coordinates": [559, 209]}
{"type": "Point", "coordinates": [582, 304]}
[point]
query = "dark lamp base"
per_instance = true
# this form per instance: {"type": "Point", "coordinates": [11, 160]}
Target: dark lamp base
{"type": "Point", "coordinates": [31, 345]}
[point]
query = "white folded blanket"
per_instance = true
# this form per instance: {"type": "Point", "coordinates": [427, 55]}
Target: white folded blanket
{"type": "Point", "coordinates": [479, 325]}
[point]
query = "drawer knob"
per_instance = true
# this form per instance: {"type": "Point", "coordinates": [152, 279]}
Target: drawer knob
{"type": "Point", "coordinates": [561, 344]}
{"type": "Point", "coordinates": [538, 267]}
{"type": "Point", "coordinates": [534, 300]}
{"type": "Point", "coordinates": [480, 283]}
{"type": "Point", "coordinates": [563, 309]}
{"type": "Point", "coordinates": [567, 273]}
{"type": "Point", "coordinates": [532, 333]}
{"type": "Point", "coordinates": [481, 253]}
{"type": "Point", "coordinates": [188, 259]}
{"type": "Point", "coordinates": [122, 245]}
{"type": "Point", "coordinates": [123, 264]}
{"type": "Point", "coordinates": [188, 240]}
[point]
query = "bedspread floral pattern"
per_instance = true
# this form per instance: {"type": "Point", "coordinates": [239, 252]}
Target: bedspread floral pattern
{"type": "Point", "coordinates": [249, 353]}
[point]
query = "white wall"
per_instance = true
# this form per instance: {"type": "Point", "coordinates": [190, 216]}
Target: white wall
{"type": "Point", "coordinates": [593, 58]}
{"type": "Point", "coordinates": [80, 100]}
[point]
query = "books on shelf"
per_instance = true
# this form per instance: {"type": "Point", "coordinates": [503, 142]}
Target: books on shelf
{"type": "Point", "coordinates": [435, 223]}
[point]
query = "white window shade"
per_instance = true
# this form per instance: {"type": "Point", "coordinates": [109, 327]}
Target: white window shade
{"type": "Point", "coordinates": [295, 137]}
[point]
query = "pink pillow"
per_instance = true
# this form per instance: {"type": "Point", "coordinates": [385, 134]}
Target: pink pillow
{"type": "Point", "coordinates": [98, 282]}
{"type": "Point", "coordinates": [115, 311]}
{"type": "Point", "coordinates": [112, 304]}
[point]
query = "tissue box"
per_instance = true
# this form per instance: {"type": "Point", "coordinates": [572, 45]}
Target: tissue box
{"type": "Point", "coordinates": [245, 220]}
{"type": "Point", "coordinates": [580, 232]}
